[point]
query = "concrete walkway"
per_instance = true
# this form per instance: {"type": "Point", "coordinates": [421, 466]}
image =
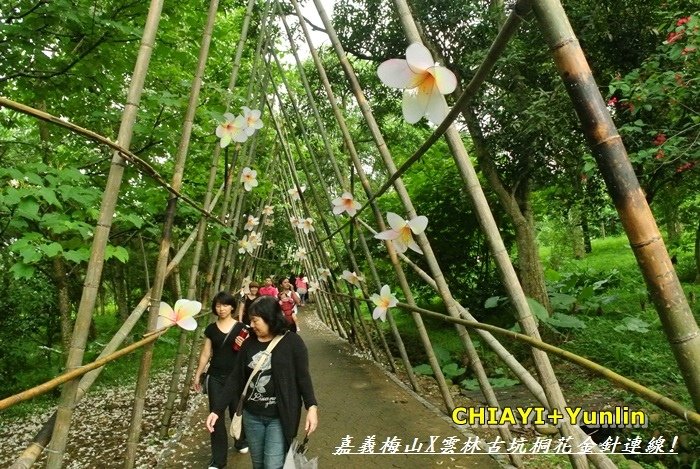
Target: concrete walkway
{"type": "Point", "coordinates": [357, 400]}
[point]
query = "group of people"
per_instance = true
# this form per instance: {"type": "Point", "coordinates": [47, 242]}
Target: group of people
{"type": "Point", "coordinates": [235, 347]}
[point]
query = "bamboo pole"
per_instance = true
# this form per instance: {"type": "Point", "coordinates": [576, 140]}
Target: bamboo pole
{"type": "Point", "coordinates": [648, 246]}
{"type": "Point", "coordinates": [158, 281]}
{"type": "Point", "coordinates": [94, 269]}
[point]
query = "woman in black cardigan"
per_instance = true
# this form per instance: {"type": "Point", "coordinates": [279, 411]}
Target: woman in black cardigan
{"type": "Point", "coordinates": [272, 409]}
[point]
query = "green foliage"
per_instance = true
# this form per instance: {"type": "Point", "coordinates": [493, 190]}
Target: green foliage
{"type": "Point", "coordinates": [450, 369]}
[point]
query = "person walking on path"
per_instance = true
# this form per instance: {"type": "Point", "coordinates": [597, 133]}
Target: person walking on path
{"type": "Point", "coordinates": [272, 405]}
{"type": "Point", "coordinates": [246, 300]}
{"type": "Point", "coordinates": [220, 349]}
{"type": "Point", "coordinates": [302, 285]}
{"type": "Point", "coordinates": [289, 300]}
{"type": "Point", "coordinates": [269, 288]}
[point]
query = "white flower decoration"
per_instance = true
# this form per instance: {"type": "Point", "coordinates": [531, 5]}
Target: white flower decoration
{"type": "Point", "coordinates": [252, 119]}
{"type": "Point", "coordinates": [294, 193]}
{"type": "Point", "coordinates": [345, 203]}
{"type": "Point", "coordinates": [401, 232]}
{"type": "Point", "coordinates": [233, 128]}
{"type": "Point", "coordinates": [270, 243]}
{"type": "Point", "coordinates": [307, 225]}
{"type": "Point", "coordinates": [182, 314]}
{"type": "Point", "coordinates": [352, 277]}
{"type": "Point", "coordinates": [269, 222]}
{"type": "Point", "coordinates": [313, 286]}
{"type": "Point", "coordinates": [244, 245]}
{"type": "Point", "coordinates": [424, 82]}
{"type": "Point", "coordinates": [384, 301]}
{"type": "Point", "coordinates": [268, 210]}
{"type": "Point", "coordinates": [251, 223]}
{"type": "Point", "coordinates": [324, 273]}
{"type": "Point", "coordinates": [249, 178]}
{"type": "Point", "coordinates": [300, 255]}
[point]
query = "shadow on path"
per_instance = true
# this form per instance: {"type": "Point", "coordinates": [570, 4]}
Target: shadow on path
{"type": "Point", "coordinates": [356, 399]}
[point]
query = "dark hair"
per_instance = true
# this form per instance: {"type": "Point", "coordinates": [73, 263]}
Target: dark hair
{"type": "Point", "coordinates": [269, 310]}
{"type": "Point", "coordinates": [222, 298]}
{"type": "Point", "coordinates": [253, 284]}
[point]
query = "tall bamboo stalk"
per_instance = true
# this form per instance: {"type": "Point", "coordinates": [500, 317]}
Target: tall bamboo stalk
{"type": "Point", "coordinates": [648, 246]}
{"type": "Point", "coordinates": [94, 269]}
{"type": "Point", "coordinates": [158, 281]}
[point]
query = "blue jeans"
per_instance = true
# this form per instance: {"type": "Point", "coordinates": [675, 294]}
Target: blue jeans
{"type": "Point", "coordinates": [265, 440]}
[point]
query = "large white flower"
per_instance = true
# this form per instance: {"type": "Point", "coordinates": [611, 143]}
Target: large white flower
{"type": "Point", "coordinates": [251, 223]}
{"type": "Point", "coordinates": [401, 232]}
{"type": "Point", "coordinates": [249, 178]}
{"type": "Point", "coordinates": [268, 210]}
{"type": "Point", "coordinates": [252, 119]}
{"type": "Point", "coordinates": [424, 81]}
{"type": "Point", "coordinates": [345, 203]}
{"type": "Point", "coordinates": [352, 277]}
{"type": "Point", "coordinates": [255, 239]}
{"type": "Point", "coordinates": [182, 314]}
{"type": "Point", "coordinates": [384, 301]}
{"type": "Point", "coordinates": [324, 273]}
{"type": "Point", "coordinates": [307, 225]}
{"type": "Point", "coordinates": [233, 128]}
{"type": "Point", "coordinates": [294, 192]}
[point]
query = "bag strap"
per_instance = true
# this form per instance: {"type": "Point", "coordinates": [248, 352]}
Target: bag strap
{"type": "Point", "coordinates": [268, 351]}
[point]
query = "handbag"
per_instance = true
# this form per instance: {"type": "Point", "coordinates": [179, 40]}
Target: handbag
{"type": "Point", "coordinates": [204, 377]}
{"type": "Point", "coordinates": [237, 419]}
{"type": "Point", "coordinates": [296, 456]}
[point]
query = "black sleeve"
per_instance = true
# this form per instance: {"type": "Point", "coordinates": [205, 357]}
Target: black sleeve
{"type": "Point", "coordinates": [301, 366]}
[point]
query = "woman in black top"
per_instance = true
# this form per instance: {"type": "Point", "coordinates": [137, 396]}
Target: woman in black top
{"type": "Point", "coordinates": [217, 350]}
{"type": "Point", "coordinates": [272, 408]}
{"type": "Point", "coordinates": [245, 302]}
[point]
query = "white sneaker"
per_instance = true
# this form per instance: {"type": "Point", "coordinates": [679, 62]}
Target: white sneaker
{"type": "Point", "coordinates": [243, 450]}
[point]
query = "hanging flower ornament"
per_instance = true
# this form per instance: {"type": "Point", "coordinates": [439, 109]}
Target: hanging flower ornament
{"type": "Point", "coordinates": [269, 222]}
{"type": "Point", "coordinates": [352, 278]}
{"type": "Point", "coordinates": [270, 243]}
{"type": "Point", "coordinates": [324, 273]}
{"type": "Point", "coordinates": [313, 286]}
{"type": "Point", "coordinates": [294, 193]}
{"type": "Point", "coordinates": [244, 245]}
{"type": "Point", "coordinates": [252, 120]}
{"type": "Point", "coordinates": [307, 225]}
{"type": "Point", "coordinates": [402, 231]}
{"type": "Point", "coordinates": [300, 255]}
{"type": "Point", "coordinates": [384, 301]}
{"type": "Point", "coordinates": [345, 203]}
{"type": "Point", "coordinates": [232, 129]}
{"type": "Point", "coordinates": [255, 239]}
{"type": "Point", "coordinates": [245, 286]}
{"type": "Point", "coordinates": [424, 83]}
{"type": "Point", "coordinates": [249, 178]}
{"type": "Point", "coordinates": [268, 210]}
{"type": "Point", "coordinates": [251, 223]}
{"type": "Point", "coordinates": [182, 314]}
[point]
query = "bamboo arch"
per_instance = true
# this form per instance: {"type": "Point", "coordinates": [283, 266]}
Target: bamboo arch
{"type": "Point", "coordinates": [347, 320]}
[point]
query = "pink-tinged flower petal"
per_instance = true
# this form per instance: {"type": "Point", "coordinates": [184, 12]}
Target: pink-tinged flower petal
{"type": "Point", "coordinates": [395, 221]}
{"type": "Point", "coordinates": [188, 323]}
{"type": "Point", "coordinates": [414, 106]}
{"type": "Point", "coordinates": [399, 245]}
{"type": "Point", "coordinates": [353, 208]}
{"type": "Point", "coordinates": [437, 108]}
{"type": "Point", "coordinates": [385, 291]}
{"type": "Point", "coordinates": [184, 308]}
{"type": "Point", "coordinates": [165, 311]}
{"type": "Point", "coordinates": [414, 246]}
{"type": "Point", "coordinates": [379, 313]}
{"type": "Point", "coordinates": [388, 234]}
{"type": "Point", "coordinates": [418, 224]}
{"type": "Point", "coordinates": [445, 80]}
{"type": "Point", "coordinates": [163, 322]}
{"type": "Point", "coordinates": [338, 209]}
{"type": "Point", "coordinates": [419, 58]}
{"type": "Point", "coordinates": [397, 74]}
